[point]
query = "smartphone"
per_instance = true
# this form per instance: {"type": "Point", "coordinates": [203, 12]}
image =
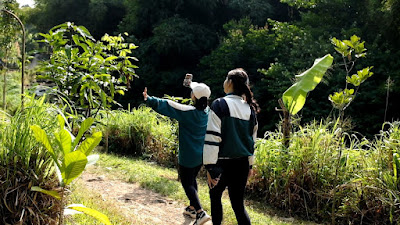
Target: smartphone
{"type": "Point", "coordinates": [187, 80]}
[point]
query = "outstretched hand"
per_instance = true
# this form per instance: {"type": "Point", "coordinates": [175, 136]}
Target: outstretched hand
{"type": "Point", "coordinates": [145, 94]}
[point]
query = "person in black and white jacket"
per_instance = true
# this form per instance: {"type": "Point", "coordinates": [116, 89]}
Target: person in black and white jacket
{"type": "Point", "coordinates": [229, 145]}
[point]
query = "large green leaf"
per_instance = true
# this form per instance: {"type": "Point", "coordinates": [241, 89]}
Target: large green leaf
{"type": "Point", "coordinates": [41, 137]}
{"type": "Point", "coordinates": [61, 121]}
{"type": "Point", "coordinates": [73, 165]}
{"type": "Point", "coordinates": [91, 212]}
{"type": "Point", "coordinates": [64, 140]}
{"type": "Point", "coordinates": [90, 143]}
{"type": "Point", "coordinates": [294, 98]}
{"type": "Point", "coordinates": [84, 127]}
{"type": "Point", "coordinates": [54, 194]}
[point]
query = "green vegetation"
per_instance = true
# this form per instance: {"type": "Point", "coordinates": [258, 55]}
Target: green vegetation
{"type": "Point", "coordinates": [302, 178]}
{"type": "Point", "coordinates": [80, 193]}
{"type": "Point", "coordinates": [164, 181]}
{"type": "Point", "coordinates": [140, 132]}
{"type": "Point", "coordinates": [344, 169]}
{"type": "Point", "coordinates": [70, 156]}
{"type": "Point", "coordinates": [87, 73]}
{"type": "Point", "coordinates": [24, 164]}
{"type": "Point", "coordinates": [13, 91]}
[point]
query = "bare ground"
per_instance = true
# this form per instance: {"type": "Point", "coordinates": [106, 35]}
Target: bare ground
{"type": "Point", "coordinates": [135, 202]}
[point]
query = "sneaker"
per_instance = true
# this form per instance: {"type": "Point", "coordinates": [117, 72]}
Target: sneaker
{"type": "Point", "coordinates": [201, 218]}
{"type": "Point", "coordinates": [190, 212]}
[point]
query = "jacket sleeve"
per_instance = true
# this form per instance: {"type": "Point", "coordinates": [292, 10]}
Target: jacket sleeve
{"type": "Point", "coordinates": [213, 136]}
{"type": "Point", "coordinates": [252, 157]}
{"type": "Point", "coordinates": [169, 108]}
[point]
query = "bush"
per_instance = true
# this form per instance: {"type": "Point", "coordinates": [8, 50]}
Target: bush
{"type": "Point", "coordinates": [23, 163]}
{"type": "Point", "coordinates": [326, 170]}
{"type": "Point", "coordinates": [140, 132]}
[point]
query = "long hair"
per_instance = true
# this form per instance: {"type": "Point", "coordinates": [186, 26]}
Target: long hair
{"type": "Point", "coordinates": [201, 104]}
{"type": "Point", "coordinates": [241, 87]}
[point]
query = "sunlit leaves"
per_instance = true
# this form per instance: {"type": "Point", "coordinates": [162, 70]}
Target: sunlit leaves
{"type": "Point", "coordinates": [70, 162]}
{"type": "Point", "coordinates": [301, 3]}
{"type": "Point", "coordinates": [73, 165]}
{"type": "Point", "coordinates": [87, 71]}
{"type": "Point", "coordinates": [347, 47]}
{"type": "Point", "coordinates": [295, 97]}
{"type": "Point", "coordinates": [360, 77]}
{"type": "Point", "coordinates": [73, 159]}
{"type": "Point", "coordinates": [342, 99]}
{"type": "Point", "coordinates": [54, 194]}
{"type": "Point", "coordinates": [75, 208]}
{"type": "Point", "coordinates": [41, 137]}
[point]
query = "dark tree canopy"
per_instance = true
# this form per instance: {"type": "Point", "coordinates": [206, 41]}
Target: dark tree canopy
{"type": "Point", "coordinates": [283, 37]}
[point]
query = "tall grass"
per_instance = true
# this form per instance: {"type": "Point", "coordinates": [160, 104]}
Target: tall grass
{"type": "Point", "coordinates": [140, 132]}
{"type": "Point", "coordinates": [325, 168]}
{"type": "Point", "coordinates": [23, 163]}
{"type": "Point", "coordinates": [13, 91]}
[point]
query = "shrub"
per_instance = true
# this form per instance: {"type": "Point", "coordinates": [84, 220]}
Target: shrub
{"type": "Point", "coordinates": [23, 163]}
{"type": "Point", "coordinates": [302, 178]}
{"type": "Point", "coordinates": [141, 132]}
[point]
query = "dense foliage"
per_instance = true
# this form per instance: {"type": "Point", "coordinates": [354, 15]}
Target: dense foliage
{"type": "Point", "coordinates": [325, 173]}
{"type": "Point", "coordinates": [88, 73]}
{"type": "Point", "coordinates": [328, 172]}
{"type": "Point", "coordinates": [330, 175]}
{"type": "Point", "coordinates": [23, 163]}
{"type": "Point", "coordinates": [209, 38]}
{"type": "Point", "coordinates": [140, 132]}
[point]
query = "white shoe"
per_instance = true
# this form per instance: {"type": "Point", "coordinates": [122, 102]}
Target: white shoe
{"type": "Point", "coordinates": [190, 212]}
{"type": "Point", "coordinates": [201, 218]}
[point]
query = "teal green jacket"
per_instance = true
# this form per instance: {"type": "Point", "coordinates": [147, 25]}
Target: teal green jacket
{"type": "Point", "coordinates": [192, 128]}
{"type": "Point", "coordinates": [231, 132]}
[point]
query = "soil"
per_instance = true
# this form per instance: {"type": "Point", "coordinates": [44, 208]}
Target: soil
{"type": "Point", "coordinates": [146, 206]}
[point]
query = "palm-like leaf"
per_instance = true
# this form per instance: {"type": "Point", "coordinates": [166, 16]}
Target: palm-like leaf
{"type": "Point", "coordinates": [294, 98]}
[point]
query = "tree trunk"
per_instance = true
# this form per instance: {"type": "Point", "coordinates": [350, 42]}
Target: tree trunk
{"type": "Point", "coordinates": [286, 124]}
{"type": "Point", "coordinates": [5, 83]}
{"type": "Point", "coordinates": [4, 90]}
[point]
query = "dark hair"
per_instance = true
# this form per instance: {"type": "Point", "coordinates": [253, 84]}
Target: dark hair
{"type": "Point", "coordinates": [241, 86]}
{"type": "Point", "coordinates": [201, 103]}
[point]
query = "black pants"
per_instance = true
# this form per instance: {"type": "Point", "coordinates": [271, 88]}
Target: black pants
{"type": "Point", "coordinates": [189, 184]}
{"type": "Point", "coordinates": [234, 176]}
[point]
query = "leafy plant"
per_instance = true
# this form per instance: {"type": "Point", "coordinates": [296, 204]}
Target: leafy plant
{"type": "Point", "coordinates": [88, 72]}
{"type": "Point", "coordinates": [294, 98]}
{"type": "Point", "coordinates": [23, 163]}
{"type": "Point", "coordinates": [8, 31]}
{"type": "Point", "coordinates": [70, 157]}
{"type": "Point", "coordinates": [350, 50]}
{"type": "Point", "coordinates": [140, 132]}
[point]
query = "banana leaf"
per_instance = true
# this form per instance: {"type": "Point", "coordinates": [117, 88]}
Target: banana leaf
{"type": "Point", "coordinates": [294, 98]}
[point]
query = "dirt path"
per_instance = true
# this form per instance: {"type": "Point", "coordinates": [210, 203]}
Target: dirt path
{"type": "Point", "coordinates": [147, 206]}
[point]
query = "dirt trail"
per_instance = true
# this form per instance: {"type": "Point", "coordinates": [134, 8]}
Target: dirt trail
{"type": "Point", "coordinates": [147, 206]}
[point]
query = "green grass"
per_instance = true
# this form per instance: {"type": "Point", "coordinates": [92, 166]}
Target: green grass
{"type": "Point", "coordinates": [324, 164]}
{"type": "Point", "coordinates": [140, 131]}
{"type": "Point", "coordinates": [13, 90]}
{"type": "Point", "coordinates": [164, 181]}
{"type": "Point", "coordinates": [23, 163]}
{"type": "Point", "coordinates": [82, 195]}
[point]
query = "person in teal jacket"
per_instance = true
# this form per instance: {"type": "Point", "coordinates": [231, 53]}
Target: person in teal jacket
{"type": "Point", "coordinates": [192, 121]}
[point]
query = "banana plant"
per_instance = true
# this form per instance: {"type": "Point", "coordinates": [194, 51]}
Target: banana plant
{"type": "Point", "coordinates": [71, 156]}
{"type": "Point", "coordinates": [294, 98]}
